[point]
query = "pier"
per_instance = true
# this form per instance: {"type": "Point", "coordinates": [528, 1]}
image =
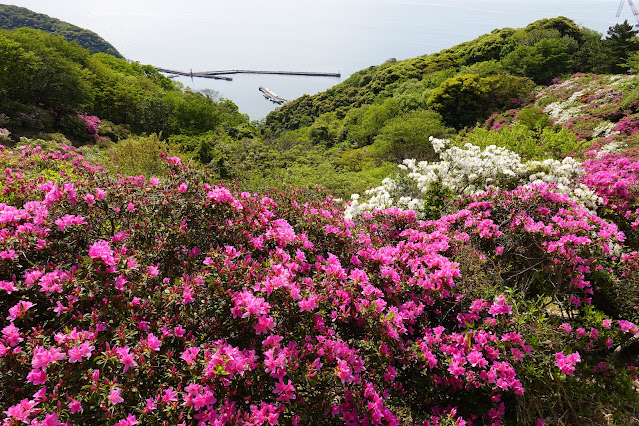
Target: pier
{"type": "Point", "coordinates": [271, 96]}
{"type": "Point", "coordinates": [220, 75]}
{"type": "Point", "coordinates": [298, 73]}
{"type": "Point", "coordinates": [173, 74]}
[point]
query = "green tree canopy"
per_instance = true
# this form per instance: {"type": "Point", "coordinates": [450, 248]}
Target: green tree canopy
{"type": "Point", "coordinates": [546, 59]}
{"type": "Point", "coordinates": [621, 43]}
{"type": "Point", "coordinates": [407, 136]}
{"type": "Point", "coordinates": [41, 69]}
{"type": "Point", "coordinates": [459, 100]}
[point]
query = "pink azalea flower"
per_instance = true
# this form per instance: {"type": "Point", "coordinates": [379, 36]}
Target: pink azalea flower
{"type": "Point", "coordinates": [8, 254]}
{"type": "Point", "coordinates": [626, 326]}
{"type": "Point", "coordinates": [153, 342]}
{"type": "Point", "coordinates": [500, 306]}
{"type": "Point", "coordinates": [37, 377]}
{"type": "Point", "coordinates": [8, 286]}
{"type": "Point", "coordinates": [126, 358]}
{"type": "Point", "coordinates": [344, 372]}
{"type": "Point", "coordinates": [89, 199]}
{"type": "Point", "coordinates": [49, 420]}
{"type": "Point", "coordinates": [129, 421]}
{"type": "Point", "coordinates": [475, 358]}
{"type": "Point", "coordinates": [19, 309]}
{"type": "Point", "coordinates": [102, 250]}
{"type": "Point", "coordinates": [114, 397]}
{"type": "Point", "coordinates": [150, 405]}
{"type": "Point", "coordinates": [75, 406]}
{"type": "Point", "coordinates": [75, 355]}
{"type": "Point", "coordinates": [566, 363]}
{"type": "Point", "coordinates": [286, 391]}
{"type": "Point", "coordinates": [308, 304]}
{"type": "Point", "coordinates": [169, 395]}
{"type": "Point", "coordinates": [565, 327]}
{"type": "Point", "coordinates": [12, 335]}
{"type": "Point", "coordinates": [100, 194]}
{"type": "Point", "coordinates": [264, 324]}
{"type": "Point", "coordinates": [190, 354]}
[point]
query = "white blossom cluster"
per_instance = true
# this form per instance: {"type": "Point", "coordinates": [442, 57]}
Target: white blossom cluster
{"type": "Point", "coordinates": [603, 130]}
{"type": "Point", "coordinates": [619, 79]}
{"type": "Point", "coordinates": [471, 170]}
{"type": "Point", "coordinates": [612, 148]}
{"type": "Point", "coordinates": [562, 111]}
{"type": "Point", "coordinates": [4, 135]}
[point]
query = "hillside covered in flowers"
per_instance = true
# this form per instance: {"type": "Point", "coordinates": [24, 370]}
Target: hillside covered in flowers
{"type": "Point", "coordinates": [490, 279]}
{"type": "Point", "coordinates": [171, 300]}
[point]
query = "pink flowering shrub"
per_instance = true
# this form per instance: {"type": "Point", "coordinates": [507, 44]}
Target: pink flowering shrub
{"type": "Point", "coordinates": [170, 300]}
{"type": "Point", "coordinates": [615, 178]}
{"type": "Point", "coordinates": [628, 125]}
{"type": "Point", "coordinates": [92, 124]}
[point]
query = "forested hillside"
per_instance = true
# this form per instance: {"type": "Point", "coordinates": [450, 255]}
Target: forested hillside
{"type": "Point", "coordinates": [541, 51]}
{"type": "Point", "coordinates": [13, 17]}
{"type": "Point", "coordinates": [351, 136]}
{"type": "Point", "coordinates": [347, 139]}
{"type": "Point", "coordinates": [48, 85]}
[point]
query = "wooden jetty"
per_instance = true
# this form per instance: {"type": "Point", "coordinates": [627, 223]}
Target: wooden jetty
{"type": "Point", "coordinates": [220, 75]}
{"type": "Point", "coordinates": [271, 96]}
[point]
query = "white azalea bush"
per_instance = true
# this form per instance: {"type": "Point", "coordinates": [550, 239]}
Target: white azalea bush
{"type": "Point", "coordinates": [470, 170]}
{"type": "Point", "coordinates": [4, 135]}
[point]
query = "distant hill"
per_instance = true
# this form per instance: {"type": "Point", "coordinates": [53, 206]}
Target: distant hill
{"type": "Point", "coordinates": [12, 17]}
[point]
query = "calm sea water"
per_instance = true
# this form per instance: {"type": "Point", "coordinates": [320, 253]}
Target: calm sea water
{"type": "Point", "coordinates": [301, 35]}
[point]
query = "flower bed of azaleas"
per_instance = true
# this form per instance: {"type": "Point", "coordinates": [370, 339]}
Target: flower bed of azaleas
{"type": "Point", "coordinates": [170, 300]}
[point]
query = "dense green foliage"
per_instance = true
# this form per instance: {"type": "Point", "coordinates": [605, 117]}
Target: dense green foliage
{"type": "Point", "coordinates": [347, 138]}
{"type": "Point", "coordinates": [13, 17]}
{"type": "Point", "coordinates": [48, 84]}
{"type": "Point", "coordinates": [385, 113]}
{"type": "Point", "coordinates": [543, 50]}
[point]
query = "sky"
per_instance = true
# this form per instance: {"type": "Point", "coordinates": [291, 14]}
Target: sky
{"type": "Point", "coordinates": [302, 35]}
{"type": "Point", "coordinates": [201, 34]}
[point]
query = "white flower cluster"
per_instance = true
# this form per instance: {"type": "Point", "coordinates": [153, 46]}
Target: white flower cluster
{"type": "Point", "coordinates": [612, 148]}
{"type": "Point", "coordinates": [470, 170]}
{"type": "Point", "coordinates": [600, 91]}
{"type": "Point", "coordinates": [562, 111]}
{"type": "Point", "coordinates": [603, 130]}
{"type": "Point", "coordinates": [619, 79]}
{"type": "Point", "coordinates": [4, 135]}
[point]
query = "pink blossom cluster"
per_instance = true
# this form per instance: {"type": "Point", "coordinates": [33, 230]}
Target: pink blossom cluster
{"type": "Point", "coordinates": [205, 305]}
{"type": "Point", "coordinates": [567, 363]}
{"type": "Point", "coordinates": [614, 178]}
{"type": "Point", "coordinates": [92, 123]}
{"type": "Point", "coordinates": [628, 125]}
